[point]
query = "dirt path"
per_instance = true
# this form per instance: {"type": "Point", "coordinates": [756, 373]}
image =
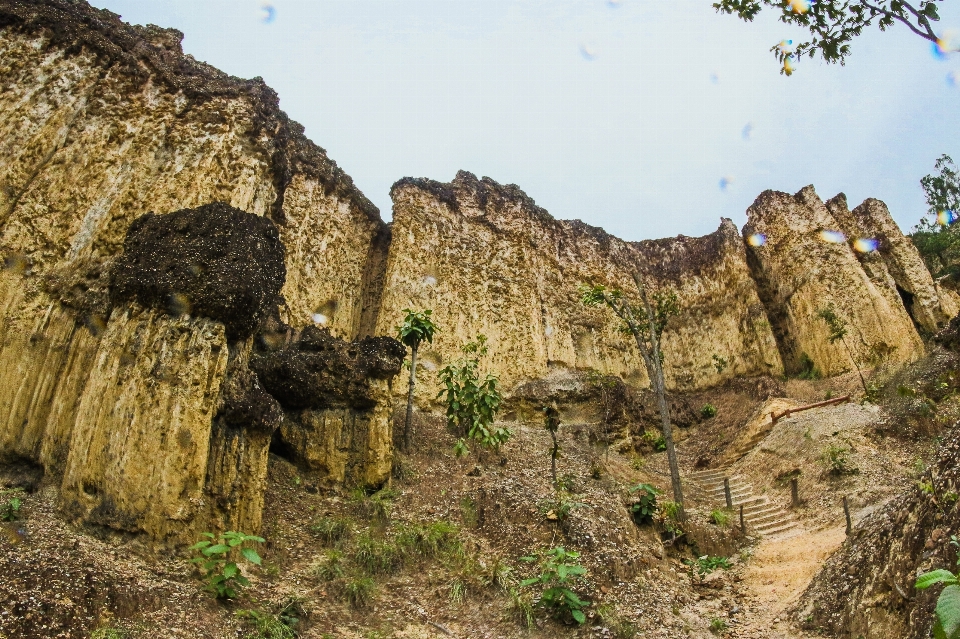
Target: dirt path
{"type": "Point", "coordinates": [776, 576]}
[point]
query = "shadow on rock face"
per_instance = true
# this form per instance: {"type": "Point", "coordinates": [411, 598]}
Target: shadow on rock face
{"type": "Point", "coordinates": [322, 371]}
{"type": "Point", "coordinates": [212, 261]}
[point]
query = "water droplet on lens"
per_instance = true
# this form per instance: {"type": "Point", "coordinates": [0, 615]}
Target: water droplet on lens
{"type": "Point", "coordinates": [832, 237]}
{"type": "Point", "coordinates": [757, 239]}
{"type": "Point", "coordinates": [429, 280]}
{"type": "Point", "coordinates": [865, 245]}
{"type": "Point", "coordinates": [18, 264]}
{"type": "Point", "coordinates": [747, 131]}
{"type": "Point", "coordinates": [320, 318]}
{"type": "Point", "coordinates": [268, 13]}
{"type": "Point", "coordinates": [588, 52]}
{"type": "Point", "coordinates": [946, 218]}
{"type": "Point", "coordinates": [725, 182]}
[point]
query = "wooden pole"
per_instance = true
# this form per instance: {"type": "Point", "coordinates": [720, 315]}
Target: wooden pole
{"type": "Point", "coordinates": [794, 492]}
{"type": "Point", "coordinates": [846, 512]}
{"type": "Point", "coordinates": [726, 492]}
{"type": "Point", "coordinates": [743, 525]}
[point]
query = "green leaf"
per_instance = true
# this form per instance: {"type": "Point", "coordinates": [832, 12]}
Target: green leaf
{"type": "Point", "coordinates": [928, 579]}
{"type": "Point", "coordinates": [578, 616]}
{"type": "Point", "coordinates": [948, 613]}
{"type": "Point", "coordinates": [529, 582]}
{"type": "Point", "coordinates": [218, 549]}
{"type": "Point", "coordinates": [199, 545]}
{"type": "Point", "coordinates": [230, 571]}
{"type": "Point", "coordinates": [251, 555]}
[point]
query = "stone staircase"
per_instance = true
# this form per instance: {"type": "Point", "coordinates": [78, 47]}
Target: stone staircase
{"type": "Point", "coordinates": [761, 516]}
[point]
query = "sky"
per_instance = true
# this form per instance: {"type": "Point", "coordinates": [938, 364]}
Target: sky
{"type": "Point", "coordinates": [649, 118]}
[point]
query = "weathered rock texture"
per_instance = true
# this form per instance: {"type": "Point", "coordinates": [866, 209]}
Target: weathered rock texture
{"type": "Point", "coordinates": [798, 272]}
{"type": "Point", "coordinates": [170, 238]}
{"type": "Point", "coordinates": [155, 421]}
{"type": "Point", "coordinates": [866, 588]}
{"type": "Point", "coordinates": [928, 305]}
{"type": "Point", "coordinates": [488, 260]}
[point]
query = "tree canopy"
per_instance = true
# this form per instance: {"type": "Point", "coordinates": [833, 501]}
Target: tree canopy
{"type": "Point", "coordinates": [833, 24]}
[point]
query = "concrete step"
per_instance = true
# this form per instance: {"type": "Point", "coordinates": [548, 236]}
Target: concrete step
{"type": "Point", "coordinates": [763, 511]}
{"type": "Point", "coordinates": [775, 530]}
{"type": "Point", "coordinates": [766, 518]}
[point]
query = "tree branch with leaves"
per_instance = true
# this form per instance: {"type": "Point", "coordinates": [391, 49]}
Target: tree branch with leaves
{"type": "Point", "coordinates": [838, 333]}
{"type": "Point", "coordinates": [645, 322]}
{"type": "Point", "coordinates": [833, 24]}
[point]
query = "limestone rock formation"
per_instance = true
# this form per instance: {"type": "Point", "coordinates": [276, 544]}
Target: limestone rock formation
{"type": "Point", "coordinates": [803, 266]}
{"type": "Point", "coordinates": [153, 416]}
{"type": "Point", "coordinates": [488, 260]}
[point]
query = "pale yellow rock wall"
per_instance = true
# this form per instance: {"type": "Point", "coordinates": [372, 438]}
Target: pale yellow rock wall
{"type": "Point", "coordinates": [798, 273]}
{"type": "Point", "coordinates": [496, 264]}
{"type": "Point", "coordinates": [86, 148]}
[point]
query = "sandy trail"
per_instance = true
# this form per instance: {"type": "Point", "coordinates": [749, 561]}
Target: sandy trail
{"type": "Point", "coordinates": [776, 576]}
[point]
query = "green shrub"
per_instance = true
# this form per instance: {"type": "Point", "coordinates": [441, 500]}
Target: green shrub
{"type": "Point", "coordinates": [719, 363]}
{"type": "Point", "coordinates": [718, 625]}
{"type": "Point", "coordinates": [331, 567]}
{"type": "Point", "coordinates": [707, 564]}
{"type": "Point", "coordinates": [656, 440]}
{"type": "Point", "coordinates": [559, 507]}
{"type": "Point", "coordinates": [429, 540]}
{"type": "Point", "coordinates": [377, 506]}
{"type": "Point", "coordinates": [224, 577]}
{"type": "Point", "coordinates": [359, 591]}
{"type": "Point", "coordinates": [837, 462]}
{"type": "Point", "coordinates": [266, 625]}
{"type": "Point", "coordinates": [377, 556]}
{"type": "Point", "coordinates": [720, 517]}
{"type": "Point", "coordinates": [332, 530]}
{"type": "Point", "coordinates": [947, 613]}
{"type": "Point", "coordinates": [559, 573]}
{"type": "Point", "coordinates": [808, 369]}
{"type": "Point", "coordinates": [708, 411]}
{"type": "Point", "coordinates": [645, 507]}
{"type": "Point", "coordinates": [10, 509]}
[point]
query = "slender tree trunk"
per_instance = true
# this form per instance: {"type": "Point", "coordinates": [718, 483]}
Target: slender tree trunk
{"type": "Point", "coordinates": [655, 370]}
{"type": "Point", "coordinates": [407, 424]}
{"type": "Point", "coordinates": [553, 458]}
{"type": "Point", "coordinates": [856, 366]}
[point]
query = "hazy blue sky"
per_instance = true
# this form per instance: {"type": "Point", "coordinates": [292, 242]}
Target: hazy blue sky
{"type": "Point", "coordinates": [624, 114]}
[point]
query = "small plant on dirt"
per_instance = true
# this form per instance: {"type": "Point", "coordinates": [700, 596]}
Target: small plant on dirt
{"type": "Point", "coordinates": [668, 516]}
{"type": "Point", "coordinates": [706, 564]}
{"type": "Point", "coordinates": [266, 625]}
{"type": "Point", "coordinates": [468, 512]}
{"type": "Point", "coordinates": [110, 633]}
{"type": "Point", "coordinates": [521, 607]}
{"type": "Point", "coordinates": [10, 509]}
{"type": "Point", "coordinates": [719, 363]}
{"type": "Point", "coordinates": [718, 625]}
{"type": "Point", "coordinates": [644, 509]}
{"type": "Point", "coordinates": [376, 506]}
{"type": "Point", "coordinates": [417, 328]}
{"type": "Point", "coordinates": [224, 577]}
{"type": "Point", "coordinates": [559, 507]}
{"type": "Point", "coordinates": [708, 411]}
{"type": "Point", "coordinates": [655, 440]}
{"type": "Point", "coordinates": [332, 530]}
{"type": "Point", "coordinates": [560, 572]}
{"type": "Point", "coordinates": [472, 402]}
{"type": "Point", "coordinates": [330, 567]}
{"type": "Point", "coordinates": [619, 627]}
{"type": "Point", "coordinates": [720, 517]}
{"type": "Point", "coordinates": [947, 613]}
{"type": "Point", "coordinates": [359, 591]}
{"type": "Point", "coordinates": [429, 540]}
{"type": "Point", "coordinates": [637, 462]}
{"type": "Point", "coordinates": [458, 592]}
{"type": "Point", "coordinates": [837, 461]}
{"type": "Point", "coordinates": [807, 369]}
{"type": "Point", "coordinates": [377, 556]}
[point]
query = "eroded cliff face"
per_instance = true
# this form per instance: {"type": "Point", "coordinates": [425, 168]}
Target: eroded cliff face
{"type": "Point", "coordinates": [487, 260]}
{"type": "Point", "coordinates": [867, 587]}
{"type": "Point", "coordinates": [141, 395]}
{"type": "Point", "coordinates": [802, 266]}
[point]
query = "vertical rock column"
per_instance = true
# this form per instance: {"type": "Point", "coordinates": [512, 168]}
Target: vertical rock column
{"type": "Point", "coordinates": [804, 265]}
